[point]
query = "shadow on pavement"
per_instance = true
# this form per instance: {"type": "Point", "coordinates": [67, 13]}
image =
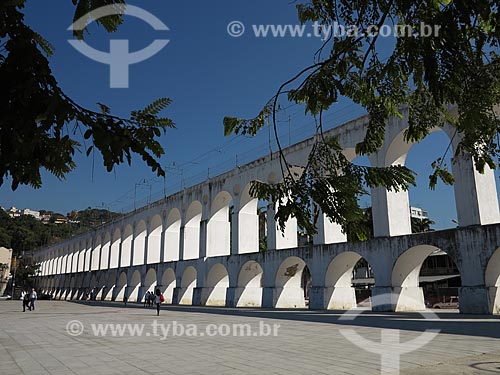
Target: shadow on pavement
{"type": "Point", "coordinates": [448, 322]}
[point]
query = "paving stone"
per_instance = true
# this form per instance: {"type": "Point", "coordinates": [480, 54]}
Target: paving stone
{"type": "Point", "coordinates": [308, 342]}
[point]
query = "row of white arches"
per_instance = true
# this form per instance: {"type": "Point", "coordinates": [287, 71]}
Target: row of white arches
{"type": "Point", "coordinates": [220, 217]}
{"type": "Point", "coordinates": [169, 237]}
{"type": "Point", "coordinates": [245, 286]}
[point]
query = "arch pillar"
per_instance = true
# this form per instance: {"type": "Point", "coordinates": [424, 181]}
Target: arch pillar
{"type": "Point", "coordinates": [391, 212]}
{"type": "Point", "coordinates": [328, 232]}
{"type": "Point", "coordinates": [473, 295]}
{"type": "Point", "coordinates": [245, 226]}
{"type": "Point", "coordinates": [120, 250]}
{"type": "Point", "coordinates": [146, 243]}
{"type": "Point", "coordinates": [181, 242]}
{"type": "Point", "coordinates": [162, 238]}
{"type": "Point", "coordinates": [276, 239]}
{"type": "Point", "coordinates": [203, 238]}
{"type": "Point", "coordinates": [475, 193]}
{"type": "Point", "coordinates": [132, 248]}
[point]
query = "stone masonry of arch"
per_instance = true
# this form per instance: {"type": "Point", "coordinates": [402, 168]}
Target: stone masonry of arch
{"type": "Point", "coordinates": [187, 245]}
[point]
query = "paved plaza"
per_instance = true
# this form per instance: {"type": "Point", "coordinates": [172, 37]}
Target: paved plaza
{"type": "Point", "coordinates": [49, 341]}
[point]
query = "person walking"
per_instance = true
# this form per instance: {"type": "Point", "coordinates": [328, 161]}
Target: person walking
{"type": "Point", "coordinates": [26, 300]}
{"type": "Point", "coordinates": [158, 300]}
{"type": "Point", "coordinates": [33, 297]}
{"type": "Point", "coordinates": [146, 298]}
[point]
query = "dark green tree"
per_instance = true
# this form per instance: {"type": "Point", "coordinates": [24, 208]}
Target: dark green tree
{"type": "Point", "coordinates": [421, 225]}
{"type": "Point", "coordinates": [25, 272]}
{"type": "Point", "coordinates": [457, 65]}
{"type": "Point", "coordinates": [42, 127]}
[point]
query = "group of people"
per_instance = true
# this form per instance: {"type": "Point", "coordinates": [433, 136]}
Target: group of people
{"type": "Point", "coordinates": [90, 295]}
{"type": "Point", "coordinates": [151, 298]}
{"type": "Point", "coordinates": [29, 299]}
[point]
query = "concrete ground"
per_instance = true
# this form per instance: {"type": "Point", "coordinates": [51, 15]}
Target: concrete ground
{"type": "Point", "coordinates": [307, 342]}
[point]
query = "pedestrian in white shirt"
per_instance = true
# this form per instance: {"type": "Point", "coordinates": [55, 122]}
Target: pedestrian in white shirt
{"type": "Point", "coordinates": [33, 297]}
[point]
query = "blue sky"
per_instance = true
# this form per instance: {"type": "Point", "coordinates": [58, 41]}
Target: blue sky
{"type": "Point", "coordinates": [208, 75]}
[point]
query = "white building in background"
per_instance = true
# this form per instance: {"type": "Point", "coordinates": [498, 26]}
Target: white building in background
{"type": "Point", "coordinates": [35, 214]}
{"type": "Point", "coordinates": [14, 212]}
{"type": "Point", "coordinates": [418, 213]}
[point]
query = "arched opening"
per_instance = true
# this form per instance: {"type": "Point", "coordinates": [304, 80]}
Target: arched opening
{"type": "Point", "coordinates": [276, 238]}
{"type": "Point", "coordinates": [168, 283]}
{"type": "Point", "coordinates": [88, 255]}
{"type": "Point", "coordinates": [115, 249]}
{"type": "Point", "coordinates": [69, 265]}
{"type": "Point", "coordinates": [101, 286]}
{"type": "Point", "coordinates": [79, 291]}
{"type": "Point", "coordinates": [96, 254]}
{"type": "Point", "coordinates": [247, 225]}
{"type": "Point", "coordinates": [492, 279]}
{"type": "Point", "coordinates": [188, 283]}
{"type": "Point", "coordinates": [150, 281]}
{"type": "Point", "coordinates": [135, 284]}
{"type": "Point", "coordinates": [139, 243]}
{"type": "Point", "coordinates": [172, 236]}
{"type": "Point", "coordinates": [120, 288]}
{"type": "Point", "coordinates": [105, 252]}
{"type": "Point", "coordinates": [58, 265]}
{"type": "Point", "coordinates": [74, 259]}
{"type": "Point", "coordinates": [216, 286]}
{"type": "Point", "coordinates": [93, 286]}
{"type": "Point", "coordinates": [154, 240]}
{"type": "Point", "coordinates": [50, 266]}
{"type": "Point", "coordinates": [425, 276]}
{"type": "Point", "coordinates": [306, 283]}
{"type": "Point", "coordinates": [81, 256]}
{"type": "Point", "coordinates": [109, 289]}
{"type": "Point", "coordinates": [289, 291]}
{"type": "Point", "coordinates": [61, 286]}
{"type": "Point", "coordinates": [219, 227]}
{"type": "Point", "coordinates": [126, 246]}
{"type": "Point", "coordinates": [64, 263]}
{"type": "Point", "coordinates": [430, 209]}
{"type": "Point", "coordinates": [249, 290]}
{"type": "Point", "coordinates": [348, 282]}
{"type": "Point", "coordinates": [192, 231]}
{"type": "Point", "coordinates": [71, 293]}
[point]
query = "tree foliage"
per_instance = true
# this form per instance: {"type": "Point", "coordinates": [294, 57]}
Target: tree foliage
{"type": "Point", "coordinates": [421, 225]}
{"type": "Point", "coordinates": [451, 76]}
{"type": "Point", "coordinates": [25, 233]}
{"type": "Point", "coordinates": [42, 127]}
{"type": "Point", "coordinates": [25, 272]}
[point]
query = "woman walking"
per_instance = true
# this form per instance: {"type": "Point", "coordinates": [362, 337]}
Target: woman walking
{"type": "Point", "coordinates": [158, 300]}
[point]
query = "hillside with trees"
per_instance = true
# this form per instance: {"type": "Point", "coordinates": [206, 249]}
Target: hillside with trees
{"type": "Point", "coordinates": [25, 233]}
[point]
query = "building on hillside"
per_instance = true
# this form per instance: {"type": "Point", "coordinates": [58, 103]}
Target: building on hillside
{"type": "Point", "coordinates": [35, 214]}
{"type": "Point", "coordinates": [14, 212]}
{"type": "Point", "coordinates": [61, 220]}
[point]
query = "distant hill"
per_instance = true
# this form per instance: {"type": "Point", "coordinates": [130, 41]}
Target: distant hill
{"type": "Point", "coordinates": [26, 233]}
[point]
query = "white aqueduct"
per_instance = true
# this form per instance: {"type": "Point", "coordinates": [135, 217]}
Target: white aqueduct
{"type": "Point", "coordinates": [186, 245]}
